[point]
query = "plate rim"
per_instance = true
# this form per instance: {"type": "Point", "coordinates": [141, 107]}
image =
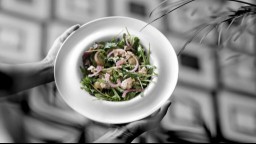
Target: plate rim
{"type": "Point", "coordinates": [115, 17]}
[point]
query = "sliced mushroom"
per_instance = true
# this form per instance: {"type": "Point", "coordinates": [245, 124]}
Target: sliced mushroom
{"type": "Point", "coordinates": [132, 61]}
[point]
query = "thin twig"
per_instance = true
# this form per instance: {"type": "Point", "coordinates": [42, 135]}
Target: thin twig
{"type": "Point", "coordinates": [167, 14]}
{"type": "Point", "coordinates": [233, 20]}
{"type": "Point", "coordinates": [158, 6]}
{"type": "Point", "coordinates": [220, 32]}
{"type": "Point", "coordinates": [242, 31]}
{"type": "Point", "coordinates": [232, 57]}
{"type": "Point", "coordinates": [197, 32]}
{"type": "Point", "coordinates": [205, 35]}
{"type": "Point", "coordinates": [238, 1]}
{"type": "Point", "coordinates": [243, 19]}
{"type": "Point", "coordinates": [167, 7]}
{"type": "Point", "coordinates": [237, 33]}
{"type": "Point", "coordinates": [192, 38]}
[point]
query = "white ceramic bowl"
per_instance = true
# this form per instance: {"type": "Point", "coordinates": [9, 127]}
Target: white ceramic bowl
{"type": "Point", "coordinates": [68, 75]}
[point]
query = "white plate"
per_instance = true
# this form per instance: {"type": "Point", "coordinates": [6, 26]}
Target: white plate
{"type": "Point", "coordinates": [68, 75]}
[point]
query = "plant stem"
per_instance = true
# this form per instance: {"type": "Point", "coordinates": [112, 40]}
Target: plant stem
{"type": "Point", "coordinates": [238, 1]}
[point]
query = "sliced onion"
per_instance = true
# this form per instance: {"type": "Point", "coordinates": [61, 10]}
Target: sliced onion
{"type": "Point", "coordinates": [99, 69]}
{"type": "Point", "coordinates": [127, 48]}
{"type": "Point", "coordinates": [98, 59]}
{"type": "Point", "coordinates": [118, 50]}
{"type": "Point", "coordinates": [107, 78]}
{"type": "Point", "coordinates": [127, 42]}
{"type": "Point", "coordinates": [131, 90]}
{"type": "Point", "coordinates": [120, 62]}
{"type": "Point", "coordinates": [137, 63]}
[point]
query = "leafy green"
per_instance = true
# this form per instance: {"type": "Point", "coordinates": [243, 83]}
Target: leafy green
{"type": "Point", "coordinates": [136, 42]}
{"type": "Point", "coordinates": [109, 45]}
{"type": "Point", "coordinates": [141, 54]}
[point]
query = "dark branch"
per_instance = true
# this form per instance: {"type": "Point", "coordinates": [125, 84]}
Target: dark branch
{"type": "Point", "coordinates": [167, 14]}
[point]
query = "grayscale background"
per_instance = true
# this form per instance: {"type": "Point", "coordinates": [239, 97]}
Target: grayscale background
{"type": "Point", "coordinates": [220, 89]}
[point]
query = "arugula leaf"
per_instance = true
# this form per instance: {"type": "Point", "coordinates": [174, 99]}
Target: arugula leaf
{"type": "Point", "coordinates": [121, 43]}
{"type": "Point", "coordinates": [148, 56]}
{"type": "Point", "coordinates": [116, 96]}
{"type": "Point", "coordinates": [84, 71]}
{"type": "Point", "coordinates": [130, 95]}
{"type": "Point", "coordinates": [141, 53]}
{"type": "Point", "coordinates": [136, 42]}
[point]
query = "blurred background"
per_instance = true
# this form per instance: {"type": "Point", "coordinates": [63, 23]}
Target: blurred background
{"type": "Point", "coordinates": [215, 99]}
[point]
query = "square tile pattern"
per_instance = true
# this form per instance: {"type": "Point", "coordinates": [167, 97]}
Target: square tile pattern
{"type": "Point", "coordinates": [212, 81]}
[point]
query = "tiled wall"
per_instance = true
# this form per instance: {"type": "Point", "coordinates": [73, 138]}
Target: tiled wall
{"type": "Point", "coordinates": [223, 90]}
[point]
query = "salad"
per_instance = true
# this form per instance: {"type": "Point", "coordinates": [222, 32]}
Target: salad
{"type": "Point", "coordinates": [117, 70]}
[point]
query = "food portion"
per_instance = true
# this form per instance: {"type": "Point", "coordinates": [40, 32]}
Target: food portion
{"type": "Point", "coordinates": [117, 70]}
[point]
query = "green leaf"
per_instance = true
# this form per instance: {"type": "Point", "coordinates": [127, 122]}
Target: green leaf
{"type": "Point", "coordinates": [148, 56]}
{"type": "Point", "coordinates": [141, 53]}
{"type": "Point", "coordinates": [100, 97]}
{"type": "Point", "coordinates": [109, 45]}
{"type": "Point", "coordinates": [116, 96]}
{"type": "Point", "coordinates": [136, 41]}
{"type": "Point", "coordinates": [130, 95]}
{"type": "Point", "coordinates": [84, 71]}
{"type": "Point", "coordinates": [121, 43]}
